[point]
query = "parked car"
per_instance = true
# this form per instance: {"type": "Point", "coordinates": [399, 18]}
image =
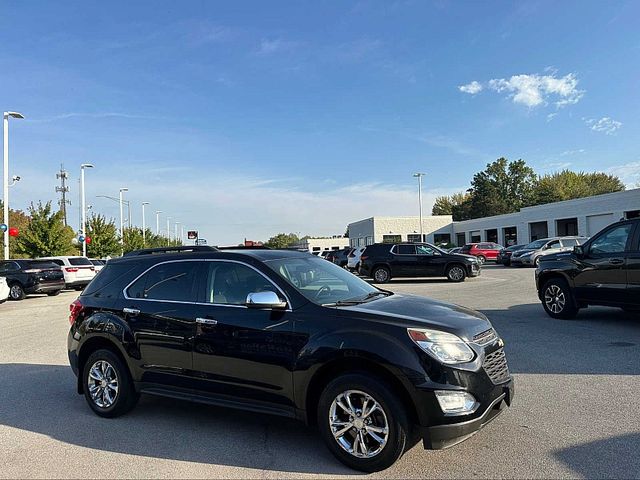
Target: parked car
{"type": "Point", "coordinates": [4, 290]}
{"type": "Point", "coordinates": [455, 250]}
{"type": "Point", "coordinates": [504, 255]}
{"type": "Point", "coordinates": [482, 251]}
{"type": "Point", "coordinates": [605, 270]}
{"type": "Point", "coordinates": [340, 257]}
{"type": "Point", "coordinates": [97, 263]}
{"type": "Point", "coordinates": [26, 277]}
{"type": "Point", "coordinates": [286, 333]}
{"type": "Point", "coordinates": [324, 254]}
{"type": "Point", "coordinates": [530, 255]}
{"type": "Point", "coordinates": [384, 261]}
{"type": "Point", "coordinates": [353, 259]}
{"type": "Point", "coordinates": [78, 271]}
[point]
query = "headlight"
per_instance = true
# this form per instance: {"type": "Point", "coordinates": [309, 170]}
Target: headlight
{"type": "Point", "coordinates": [526, 254]}
{"type": "Point", "coordinates": [445, 347]}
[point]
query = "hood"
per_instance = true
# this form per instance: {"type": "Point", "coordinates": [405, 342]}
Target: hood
{"type": "Point", "coordinates": [519, 253]}
{"type": "Point", "coordinates": [464, 256]}
{"type": "Point", "coordinates": [416, 311]}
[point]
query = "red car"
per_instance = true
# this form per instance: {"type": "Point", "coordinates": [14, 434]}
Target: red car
{"type": "Point", "coordinates": [483, 251]}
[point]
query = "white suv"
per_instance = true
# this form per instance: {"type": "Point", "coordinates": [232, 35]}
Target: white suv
{"type": "Point", "coordinates": [78, 271]}
{"type": "Point", "coordinates": [353, 259]}
{"type": "Point", "coordinates": [4, 290]}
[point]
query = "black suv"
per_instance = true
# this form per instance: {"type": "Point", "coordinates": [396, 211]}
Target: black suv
{"type": "Point", "coordinates": [605, 270]}
{"type": "Point", "coordinates": [383, 261]}
{"type": "Point", "coordinates": [290, 334]}
{"type": "Point", "coordinates": [31, 276]}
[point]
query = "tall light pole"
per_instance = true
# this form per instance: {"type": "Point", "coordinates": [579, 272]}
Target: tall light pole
{"type": "Point", "coordinates": [168, 231]}
{"type": "Point", "coordinates": [122, 190]}
{"type": "Point", "coordinates": [419, 177]}
{"type": "Point", "coordinates": [144, 225]}
{"type": "Point", "coordinates": [158, 212]}
{"type": "Point", "coordinates": [175, 230]}
{"type": "Point", "coordinates": [83, 224]}
{"type": "Point", "coordinates": [5, 195]}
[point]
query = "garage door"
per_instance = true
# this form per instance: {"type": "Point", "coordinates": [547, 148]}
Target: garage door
{"type": "Point", "coordinates": [595, 223]}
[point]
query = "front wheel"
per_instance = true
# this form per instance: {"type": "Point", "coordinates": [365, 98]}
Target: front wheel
{"type": "Point", "coordinates": [456, 273]}
{"type": "Point", "coordinates": [557, 299]}
{"type": "Point", "coordinates": [107, 387]}
{"type": "Point", "coordinates": [16, 292]}
{"type": "Point", "coordinates": [482, 259]}
{"type": "Point", "coordinates": [363, 423]}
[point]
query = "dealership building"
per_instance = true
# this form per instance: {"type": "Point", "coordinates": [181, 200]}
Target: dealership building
{"type": "Point", "coordinates": [582, 216]}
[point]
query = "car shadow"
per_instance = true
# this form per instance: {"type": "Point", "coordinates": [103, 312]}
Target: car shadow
{"type": "Point", "coordinates": [42, 399]}
{"type": "Point", "coordinates": [599, 340]}
{"type": "Point", "coordinates": [593, 459]}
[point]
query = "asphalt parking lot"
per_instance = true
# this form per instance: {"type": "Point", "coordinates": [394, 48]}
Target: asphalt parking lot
{"type": "Point", "coordinates": [576, 411]}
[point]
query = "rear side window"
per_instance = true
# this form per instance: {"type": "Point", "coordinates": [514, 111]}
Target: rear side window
{"type": "Point", "coordinates": [43, 264]}
{"type": "Point", "coordinates": [405, 249]}
{"type": "Point", "coordinates": [569, 242]}
{"type": "Point", "coordinates": [172, 281]}
{"type": "Point", "coordinates": [57, 261]}
{"type": "Point", "coordinates": [80, 261]}
{"type": "Point", "coordinates": [104, 284]}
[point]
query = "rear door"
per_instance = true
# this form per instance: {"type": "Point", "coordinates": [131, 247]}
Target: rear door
{"type": "Point", "coordinates": [159, 307]}
{"type": "Point", "coordinates": [602, 277]}
{"type": "Point", "coordinates": [405, 260]}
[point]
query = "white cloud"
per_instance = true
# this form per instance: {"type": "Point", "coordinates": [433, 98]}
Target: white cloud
{"type": "Point", "coordinates": [629, 173]}
{"type": "Point", "coordinates": [572, 152]}
{"type": "Point", "coordinates": [533, 90]}
{"type": "Point", "coordinates": [606, 125]}
{"type": "Point", "coordinates": [471, 88]}
{"type": "Point", "coordinates": [271, 46]}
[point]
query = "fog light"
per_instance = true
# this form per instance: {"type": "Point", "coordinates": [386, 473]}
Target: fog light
{"type": "Point", "coordinates": [456, 403]}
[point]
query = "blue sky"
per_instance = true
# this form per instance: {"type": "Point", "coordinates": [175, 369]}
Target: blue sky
{"type": "Point", "coordinates": [244, 119]}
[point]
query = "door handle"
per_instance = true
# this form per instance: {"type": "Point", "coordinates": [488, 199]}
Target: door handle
{"type": "Point", "coordinates": [616, 261]}
{"type": "Point", "coordinates": [131, 311]}
{"type": "Point", "coordinates": [206, 321]}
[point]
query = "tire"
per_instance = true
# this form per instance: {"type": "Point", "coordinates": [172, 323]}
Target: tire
{"type": "Point", "coordinates": [16, 292]}
{"type": "Point", "coordinates": [108, 366]}
{"type": "Point", "coordinates": [482, 259]}
{"type": "Point", "coordinates": [456, 273]}
{"type": "Point", "coordinates": [390, 413]}
{"type": "Point", "coordinates": [536, 262]}
{"type": "Point", "coordinates": [54, 294]}
{"type": "Point", "coordinates": [557, 299]}
{"type": "Point", "coordinates": [381, 275]}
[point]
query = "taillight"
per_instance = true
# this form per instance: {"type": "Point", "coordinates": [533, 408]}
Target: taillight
{"type": "Point", "coordinates": [71, 269]}
{"type": "Point", "coordinates": [363, 258]}
{"type": "Point", "coordinates": [75, 309]}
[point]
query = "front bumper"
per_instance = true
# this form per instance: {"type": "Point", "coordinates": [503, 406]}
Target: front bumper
{"type": "Point", "coordinates": [522, 260]}
{"type": "Point", "coordinates": [474, 270]}
{"type": "Point", "coordinates": [438, 437]}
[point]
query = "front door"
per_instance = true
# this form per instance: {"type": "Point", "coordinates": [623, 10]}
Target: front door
{"type": "Point", "coordinates": [243, 352]}
{"type": "Point", "coordinates": [603, 273]}
{"type": "Point", "coordinates": [633, 270]}
{"type": "Point", "coordinates": [430, 261]}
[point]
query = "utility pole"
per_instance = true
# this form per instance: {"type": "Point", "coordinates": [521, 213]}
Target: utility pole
{"type": "Point", "coordinates": [63, 189]}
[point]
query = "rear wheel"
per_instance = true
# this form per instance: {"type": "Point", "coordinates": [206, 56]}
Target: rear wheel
{"type": "Point", "coordinates": [381, 275]}
{"type": "Point", "coordinates": [363, 423]}
{"type": "Point", "coordinates": [16, 292]}
{"type": "Point", "coordinates": [557, 299]}
{"type": "Point", "coordinates": [108, 388]}
{"type": "Point", "coordinates": [456, 273]}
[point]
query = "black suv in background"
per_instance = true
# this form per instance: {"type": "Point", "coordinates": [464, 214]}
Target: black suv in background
{"type": "Point", "coordinates": [383, 261]}
{"type": "Point", "coordinates": [605, 270]}
{"type": "Point", "coordinates": [31, 276]}
{"type": "Point", "coordinates": [289, 334]}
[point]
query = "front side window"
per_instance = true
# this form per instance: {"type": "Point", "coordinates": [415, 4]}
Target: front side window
{"type": "Point", "coordinates": [427, 250]}
{"type": "Point", "coordinates": [613, 241]}
{"type": "Point", "coordinates": [320, 281]}
{"type": "Point", "coordinates": [553, 244]}
{"type": "Point", "coordinates": [172, 281]}
{"type": "Point", "coordinates": [230, 283]}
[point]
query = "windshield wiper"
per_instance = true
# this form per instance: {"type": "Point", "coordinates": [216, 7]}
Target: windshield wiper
{"type": "Point", "coordinates": [356, 301]}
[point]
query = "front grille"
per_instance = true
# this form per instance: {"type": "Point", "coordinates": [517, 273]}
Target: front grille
{"type": "Point", "coordinates": [485, 338]}
{"type": "Point", "coordinates": [495, 364]}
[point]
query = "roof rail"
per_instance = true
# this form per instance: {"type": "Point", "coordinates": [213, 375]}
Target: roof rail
{"type": "Point", "coordinates": [187, 249]}
{"type": "Point", "coordinates": [243, 247]}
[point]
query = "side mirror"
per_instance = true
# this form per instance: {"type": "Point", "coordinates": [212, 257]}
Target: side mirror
{"type": "Point", "coordinates": [265, 300]}
{"type": "Point", "coordinates": [579, 251]}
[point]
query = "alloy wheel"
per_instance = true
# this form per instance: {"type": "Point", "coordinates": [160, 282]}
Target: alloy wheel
{"type": "Point", "coordinates": [103, 384]}
{"type": "Point", "coordinates": [554, 299]}
{"type": "Point", "coordinates": [456, 273]}
{"type": "Point", "coordinates": [358, 424]}
{"type": "Point", "coordinates": [16, 292]}
{"type": "Point", "coordinates": [381, 275]}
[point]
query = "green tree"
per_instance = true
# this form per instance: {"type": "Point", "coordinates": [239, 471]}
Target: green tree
{"type": "Point", "coordinates": [282, 240]}
{"type": "Point", "coordinates": [445, 204]}
{"type": "Point", "coordinates": [104, 237]}
{"type": "Point", "coordinates": [17, 219]}
{"type": "Point", "coordinates": [45, 234]}
{"type": "Point", "coordinates": [132, 239]}
{"type": "Point", "coordinates": [503, 187]}
{"type": "Point", "coordinates": [566, 185]}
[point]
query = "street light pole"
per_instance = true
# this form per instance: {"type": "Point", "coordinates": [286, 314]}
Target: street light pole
{"type": "Point", "coordinates": [158, 212]}
{"type": "Point", "coordinates": [122, 190]}
{"type": "Point", "coordinates": [5, 184]}
{"type": "Point", "coordinates": [144, 225]}
{"type": "Point", "coordinates": [419, 176]}
{"type": "Point", "coordinates": [175, 230]}
{"type": "Point", "coordinates": [168, 231]}
{"type": "Point", "coordinates": [83, 225]}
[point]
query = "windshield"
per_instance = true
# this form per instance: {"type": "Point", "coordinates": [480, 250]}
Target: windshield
{"type": "Point", "coordinates": [322, 282]}
{"type": "Point", "coordinates": [537, 244]}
